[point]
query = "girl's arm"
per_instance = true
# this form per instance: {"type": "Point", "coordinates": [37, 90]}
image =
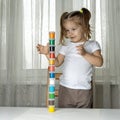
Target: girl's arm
{"type": "Point", "coordinates": [95, 58]}
{"type": "Point", "coordinates": [45, 50]}
{"type": "Point", "coordinates": [59, 60]}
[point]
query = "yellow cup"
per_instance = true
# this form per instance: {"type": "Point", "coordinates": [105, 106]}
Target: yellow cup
{"type": "Point", "coordinates": [52, 62]}
{"type": "Point", "coordinates": [51, 108]}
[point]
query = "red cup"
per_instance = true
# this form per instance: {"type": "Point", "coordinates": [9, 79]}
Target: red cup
{"type": "Point", "coordinates": [51, 68]}
{"type": "Point", "coordinates": [52, 55]}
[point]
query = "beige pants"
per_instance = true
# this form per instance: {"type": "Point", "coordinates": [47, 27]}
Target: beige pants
{"type": "Point", "coordinates": [72, 98]}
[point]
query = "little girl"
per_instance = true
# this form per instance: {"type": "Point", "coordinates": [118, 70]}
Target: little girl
{"type": "Point", "coordinates": [78, 57]}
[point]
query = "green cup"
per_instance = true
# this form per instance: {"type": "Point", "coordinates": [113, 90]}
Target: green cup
{"type": "Point", "coordinates": [51, 95]}
{"type": "Point", "coordinates": [51, 42]}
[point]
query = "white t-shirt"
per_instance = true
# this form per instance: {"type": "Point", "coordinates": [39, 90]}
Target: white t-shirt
{"type": "Point", "coordinates": [77, 71]}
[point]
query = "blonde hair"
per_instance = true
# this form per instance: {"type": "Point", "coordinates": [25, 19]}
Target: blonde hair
{"type": "Point", "coordinates": [81, 18]}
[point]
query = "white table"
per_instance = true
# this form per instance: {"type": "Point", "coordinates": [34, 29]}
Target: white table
{"type": "Point", "coordinates": [31, 113]}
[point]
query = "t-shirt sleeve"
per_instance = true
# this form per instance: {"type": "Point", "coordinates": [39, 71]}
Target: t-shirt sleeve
{"type": "Point", "coordinates": [63, 50]}
{"type": "Point", "coordinates": [92, 46]}
{"type": "Point", "coordinates": [95, 46]}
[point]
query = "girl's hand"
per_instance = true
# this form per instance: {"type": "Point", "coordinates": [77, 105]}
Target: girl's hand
{"type": "Point", "coordinates": [43, 49]}
{"type": "Point", "coordinates": [81, 50]}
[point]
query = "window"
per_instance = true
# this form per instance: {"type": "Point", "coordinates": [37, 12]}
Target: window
{"type": "Point", "coordinates": [98, 23]}
{"type": "Point", "coordinates": [39, 19]}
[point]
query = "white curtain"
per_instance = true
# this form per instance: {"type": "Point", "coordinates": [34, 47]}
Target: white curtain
{"type": "Point", "coordinates": [110, 27]}
{"type": "Point", "coordinates": [23, 24]}
{"type": "Point", "coordinates": [23, 72]}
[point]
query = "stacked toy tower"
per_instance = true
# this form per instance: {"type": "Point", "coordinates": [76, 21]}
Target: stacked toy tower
{"type": "Point", "coordinates": [51, 94]}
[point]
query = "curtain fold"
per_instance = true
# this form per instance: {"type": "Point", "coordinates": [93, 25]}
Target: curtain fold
{"type": "Point", "coordinates": [110, 28]}
{"type": "Point", "coordinates": [107, 77]}
{"type": "Point", "coordinates": [21, 85]}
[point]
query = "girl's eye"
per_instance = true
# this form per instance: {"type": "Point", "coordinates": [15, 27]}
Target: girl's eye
{"type": "Point", "coordinates": [73, 29]}
{"type": "Point", "coordinates": [67, 30]}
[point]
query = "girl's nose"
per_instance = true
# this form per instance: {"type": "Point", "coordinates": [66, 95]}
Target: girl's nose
{"type": "Point", "coordinates": [70, 33]}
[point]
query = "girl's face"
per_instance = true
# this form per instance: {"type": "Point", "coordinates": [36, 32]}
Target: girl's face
{"type": "Point", "coordinates": [74, 31]}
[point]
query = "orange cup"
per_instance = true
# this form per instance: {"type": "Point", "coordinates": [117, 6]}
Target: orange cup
{"type": "Point", "coordinates": [51, 35]}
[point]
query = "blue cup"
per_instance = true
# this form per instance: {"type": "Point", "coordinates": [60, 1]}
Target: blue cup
{"type": "Point", "coordinates": [52, 75]}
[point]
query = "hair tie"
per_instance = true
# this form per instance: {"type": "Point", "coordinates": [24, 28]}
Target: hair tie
{"type": "Point", "coordinates": [81, 11]}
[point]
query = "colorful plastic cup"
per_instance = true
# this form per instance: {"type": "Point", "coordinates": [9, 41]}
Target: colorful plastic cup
{"type": "Point", "coordinates": [51, 68]}
{"type": "Point", "coordinates": [51, 61]}
{"type": "Point", "coordinates": [52, 55]}
{"type": "Point", "coordinates": [52, 48]}
{"type": "Point", "coordinates": [52, 75]}
{"type": "Point", "coordinates": [51, 95]}
{"type": "Point", "coordinates": [51, 35]}
{"type": "Point", "coordinates": [51, 88]}
{"type": "Point", "coordinates": [51, 108]}
{"type": "Point", "coordinates": [52, 42]}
